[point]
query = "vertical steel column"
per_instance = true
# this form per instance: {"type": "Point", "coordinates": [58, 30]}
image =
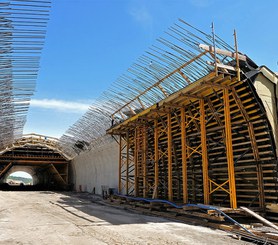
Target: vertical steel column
{"type": "Point", "coordinates": [144, 162]}
{"type": "Point", "coordinates": [120, 166]}
{"type": "Point", "coordinates": [127, 163]}
{"type": "Point", "coordinates": [170, 180]}
{"type": "Point", "coordinates": [204, 152]}
{"type": "Point", "coordinates": [229, 149]}
{"type": "Point", "coordinates": [156, 159]}
{"type": "Point", "coordinates": [136, 161]}
{"type": "Point", "coordinates": [184, 156]}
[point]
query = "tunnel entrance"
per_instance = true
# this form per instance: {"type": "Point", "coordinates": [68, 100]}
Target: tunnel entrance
{"type": "Point", "coordinates": [19, 178]}
{"type": "Point", "coordinates": [38, 158]}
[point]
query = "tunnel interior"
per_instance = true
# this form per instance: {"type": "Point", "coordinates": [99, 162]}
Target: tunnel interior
{"type": "Point", "coordinates": [47, 167]}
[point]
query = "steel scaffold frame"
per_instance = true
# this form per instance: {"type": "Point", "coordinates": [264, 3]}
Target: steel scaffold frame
{"type": "Point", "coordinates": [169, 129]}
{"type": "Point", "coordinates": [126, 165]}
{"type": "Point", "coordinates": [197, 130]}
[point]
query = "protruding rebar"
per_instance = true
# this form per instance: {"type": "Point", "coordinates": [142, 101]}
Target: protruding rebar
{"type": "Point", "coordinates": [22, 32]}
{"type": "Point", "coordinates": [175, 61]}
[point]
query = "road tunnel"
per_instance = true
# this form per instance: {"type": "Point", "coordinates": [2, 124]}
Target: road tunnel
{"type": "Point", "coordinates": [37, 156]}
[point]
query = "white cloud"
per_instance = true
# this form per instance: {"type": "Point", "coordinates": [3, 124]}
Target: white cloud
{"type": "Point", "coordinates": [60, 105]}
{"type": "Point", "coordinates": [140, 13]}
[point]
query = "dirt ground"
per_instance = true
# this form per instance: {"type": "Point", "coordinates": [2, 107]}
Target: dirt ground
{"type": "Point", "coordinates": [64, 218]}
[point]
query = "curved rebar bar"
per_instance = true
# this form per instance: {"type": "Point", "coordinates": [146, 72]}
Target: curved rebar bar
{"type": "Point", "coordinates": [22, 32]}
{"type": "Point", "coordinates": [149, 80]}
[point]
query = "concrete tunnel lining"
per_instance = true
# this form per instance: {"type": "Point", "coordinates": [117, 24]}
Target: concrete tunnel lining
{"type": "Point", "coordinates": [47, 166]}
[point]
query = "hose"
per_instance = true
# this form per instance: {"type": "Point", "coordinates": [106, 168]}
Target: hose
{"type": "Point", "coordinates": [201, 206]}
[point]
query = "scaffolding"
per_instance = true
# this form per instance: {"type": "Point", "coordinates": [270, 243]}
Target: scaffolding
{"type": "Point", "coordinates": [208, 143]}
{"type": "Point", "coordinates": [189, 123]}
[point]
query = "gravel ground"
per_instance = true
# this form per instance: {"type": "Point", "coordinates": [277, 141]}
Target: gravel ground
{"type": "Point", "coordinates": [64, 218]}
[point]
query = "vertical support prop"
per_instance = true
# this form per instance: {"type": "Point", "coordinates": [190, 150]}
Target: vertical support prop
{"type": "Point", "coordinates": [144, 162]}
{"type": "Point", "coordinates": [156, 159]}
{"type": "Point", "coordinates": [170, 180]}
{"type": "Point", "coordinates": [229, 149]}
{"type": "Point", "coordinates": [136, 162]}
{"type": "Point", "coordinates": [120, 166]}
{"type": "Point", "coordinates": [204, 152]}
{"type": "Point", "coordinates": [184, 156]}
{"type": "Point", "coordinates": [127, 163]}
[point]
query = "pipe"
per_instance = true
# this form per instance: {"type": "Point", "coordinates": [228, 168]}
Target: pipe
{"type": "Point", "coordinates": [201, 206]}
{"type": "Point", "coordinates": [259, 217]}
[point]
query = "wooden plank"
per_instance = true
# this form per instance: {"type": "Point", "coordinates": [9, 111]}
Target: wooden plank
{"type": "Point", "coordinates": [6, 168]}
{"type": "Point", "coordinates": [222, 52]}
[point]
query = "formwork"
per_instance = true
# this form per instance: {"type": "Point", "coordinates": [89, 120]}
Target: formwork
{"type": "Point", "coordinates": [208, 143]}
{"type": "Point", "coordinates": [39, 156]}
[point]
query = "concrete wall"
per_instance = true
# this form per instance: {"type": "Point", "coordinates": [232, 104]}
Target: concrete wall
{"type": "Point", "coordinates": [97, 167]}
{"type": "Point", "coordinates": [266, 87]}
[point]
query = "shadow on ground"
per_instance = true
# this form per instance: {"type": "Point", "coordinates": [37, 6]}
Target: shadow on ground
{"type": "Point", "coordinates": [93, 206]}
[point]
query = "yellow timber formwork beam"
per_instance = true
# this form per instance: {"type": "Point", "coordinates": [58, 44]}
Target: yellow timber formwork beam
{"type": "Point", "coordinates": [229, 149]}
{"type": "Point", "coordinates": [156, 159]}
{"type": "Point", "coordinates": [136, 144]}
{"type": "Point", "coordinates": [126, 166]}
{"type": "Point", "coordinates": [120, 165]}
{"type": "Point", "coordinates": [184, 155]}
{"type": "Point", "coordinates": [170, 180]}
{"type": "Point", "coordinates": [138, 156]}
{"type": "Point", "coordinates": [204, 152]}
{"type": "Point", "coordinates": [144, 162]}
{"type": "Point", "coordinates": [127, 162]}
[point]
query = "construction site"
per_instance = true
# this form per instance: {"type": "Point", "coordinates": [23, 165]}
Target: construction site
{"type": "Point", "coordinates": [180, 149]}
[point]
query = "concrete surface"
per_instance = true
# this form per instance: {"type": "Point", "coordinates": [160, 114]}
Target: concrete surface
{"type": "Point", "coordinates": [97, 167]}
{"type": "Point", "coordinates": [266, 87]}
{"type": "Point", "coordinates": [63, 218]}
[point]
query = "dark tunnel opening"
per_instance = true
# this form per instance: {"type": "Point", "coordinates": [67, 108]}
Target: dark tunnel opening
{"type": "Point", "coordinates": [48, 168]}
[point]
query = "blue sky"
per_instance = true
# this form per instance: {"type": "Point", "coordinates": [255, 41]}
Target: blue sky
{"type": "Point", "coordinates": [90, 43]}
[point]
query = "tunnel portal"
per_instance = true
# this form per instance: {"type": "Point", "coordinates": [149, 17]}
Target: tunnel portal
{"type": "Point", "coordinates": [38, 156]}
